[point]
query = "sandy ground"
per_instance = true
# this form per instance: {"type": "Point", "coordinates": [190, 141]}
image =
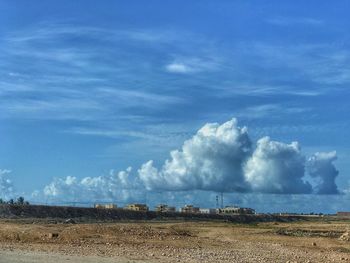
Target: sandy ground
{"type": "Point", "coordinates": [174, 242]}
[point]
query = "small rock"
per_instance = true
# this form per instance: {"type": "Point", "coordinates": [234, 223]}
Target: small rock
{"type": "Point", "coordinates": [52, 235]}
{"type": "Point", "coordinates": [345, 237]}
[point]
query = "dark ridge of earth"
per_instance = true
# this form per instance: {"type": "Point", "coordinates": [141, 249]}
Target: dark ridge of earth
{"type": "Point", "coordinates": [83, 214]}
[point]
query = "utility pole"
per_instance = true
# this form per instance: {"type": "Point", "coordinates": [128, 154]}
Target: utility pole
{"type": "Point", "coordinates": [222, 200]}
{"type": "Point", "coordinates": [217, 201]}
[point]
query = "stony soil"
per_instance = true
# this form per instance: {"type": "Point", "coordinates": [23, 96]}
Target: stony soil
{"type": "Point", "coordinates": [19, 256]}
{"type": "Point", "coordinates": [317, 241]}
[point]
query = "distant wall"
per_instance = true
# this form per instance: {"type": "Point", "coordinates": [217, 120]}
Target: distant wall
{"type": "Point", "coordinates": [81, 214]}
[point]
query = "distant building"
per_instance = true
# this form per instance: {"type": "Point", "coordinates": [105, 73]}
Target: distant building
{"type": "Point", "coordinates": [232, 210]}
{"type": "Point", "coordinates": [105, 206]}
{"type": "Point", "coordinates": [190, 209]}
{"type": "Point", "coordinates": [343, 214]}
{"type": "Point", "coordinates": [208, 211]}
{"type": "Point", "coordinates": [286, 214]}
{"type": "Point", "coordinates": [137, 207]}
{"type": "Point", "coordinates": [165, 208]}
{"type": "Point", "coordinates": [111, 206]}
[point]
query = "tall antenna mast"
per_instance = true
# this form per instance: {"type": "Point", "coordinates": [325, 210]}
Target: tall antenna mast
{"type": "Point", "coordinates": [222, 200]}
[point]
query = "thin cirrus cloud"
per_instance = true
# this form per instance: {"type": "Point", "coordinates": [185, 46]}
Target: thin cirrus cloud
{"type": "Point", "coordinates": [323, 64]}
{"type": "Point", "coordinates": [69, 82]}
{"type": "Point", "coordinates": [85, 106]}
{"type": "Point", "coordinates": [54, 109]}
{"type": "Point", "coordinates": [269, 110]}
{"type": "Point", "coordinates": [49, 32]}
{"type": "Point", "coordinates": [293, 21]}
{"type": "Point", "coordinates": [256, 90]}
{"type": "Point", "coordinates": [134, 97]}
{"type": "Point", "coordinates": [64, 72]}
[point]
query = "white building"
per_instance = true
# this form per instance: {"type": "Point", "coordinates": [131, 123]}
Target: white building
{"type": "Point", "coordinates": [207, 210]}
{"type": "Point", "coordinates": [236, 210]}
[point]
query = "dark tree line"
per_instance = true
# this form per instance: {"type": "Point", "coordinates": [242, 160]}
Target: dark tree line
{"type": "Point", "coordinates": [20, 201]}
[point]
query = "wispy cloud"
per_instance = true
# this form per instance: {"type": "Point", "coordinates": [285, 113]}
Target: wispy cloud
{"type": "Point", "coordinates": [162, 133]}
{"type": "Point", "coordinates": [262, 69]}
{"type": "Point", "coordinates": [46, 76]}
{"type": "Point", "coordinates": [323, 64]}
{"type": "Point", "coordinates": [112, 74]}
{"type": "Point", "coordinates": [270, 111]}
{"type": "Point", "coordinates": [134, 97]}
{"type": "Point", "coordinates": [114, 133]}
{"type": "Point", "coordinates": [49, 31]}
{"type": "Point", "coordinates": [290, 21]}
{"type": "Point", "coordinates": [80, 106]}
{"type": "Point", "coordinates": [57, 109]}
{"type": "Point", "coordinates": [178, 68]}
{"type": "Point", "coordinates": [264, 90]}
{"type": "Point", "coordinates": [192, 65]}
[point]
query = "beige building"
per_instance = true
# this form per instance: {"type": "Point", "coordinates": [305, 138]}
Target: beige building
{"type": "Point", "coordinates": [165, 208]}
{"type": "Point", "coordinates": [137, 207]}
{"type": "Point", "coordinates": [190, 209]}
{"type": "Point", "coordinates": [105, 206]}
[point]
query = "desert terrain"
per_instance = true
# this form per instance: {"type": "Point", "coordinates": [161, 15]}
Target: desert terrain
{"type": "Point", "coordinates": [303, 241]}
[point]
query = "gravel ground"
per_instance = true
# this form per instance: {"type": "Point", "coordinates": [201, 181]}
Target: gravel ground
{"type": "Point", "coordinates": [174, 242]}
{"type": "Point", "coordinates": [19, 256]}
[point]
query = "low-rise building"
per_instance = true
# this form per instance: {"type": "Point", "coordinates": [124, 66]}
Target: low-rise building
{"type": "Point", "coordinates": [248, 211]}
{"type": "Point", "coordinates": [236, 210]}
{"type": "Point", "coordinates": [165, 208]}
{"type": "Point", "coordinates": [105, 206]}
{"type": "Point", "coordinates": [189, 209]}
{"type": "Point", "coordinates": [208, 211]}
{"type": "Point", "coordinates": [137, 207]}
{"type": "Point", "coordinates": [286, 214]}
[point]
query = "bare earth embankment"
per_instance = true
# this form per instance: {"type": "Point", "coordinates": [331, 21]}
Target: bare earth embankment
{"type": "Point", "coordinates": [144, 241]}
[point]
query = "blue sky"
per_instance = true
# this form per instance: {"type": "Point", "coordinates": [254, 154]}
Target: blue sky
{"type": "Point", "coordinates": [87, 87]}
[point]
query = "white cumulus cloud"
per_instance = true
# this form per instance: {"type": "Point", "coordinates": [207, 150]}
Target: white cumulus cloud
{"type": "Point", "coordinates": [211, 160]}
{"type": "Point", "coordinates": [321, 167]}
{"type": "Point", "coordinates": [220, 158]}
{"type": "Point", "coordinates": [115, 186]}
{"type": "Point", "coordinates": [277, 167]}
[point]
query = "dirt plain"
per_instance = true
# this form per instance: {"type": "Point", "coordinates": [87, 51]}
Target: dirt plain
{"type": "Point", "coordinates": [303, 241]}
